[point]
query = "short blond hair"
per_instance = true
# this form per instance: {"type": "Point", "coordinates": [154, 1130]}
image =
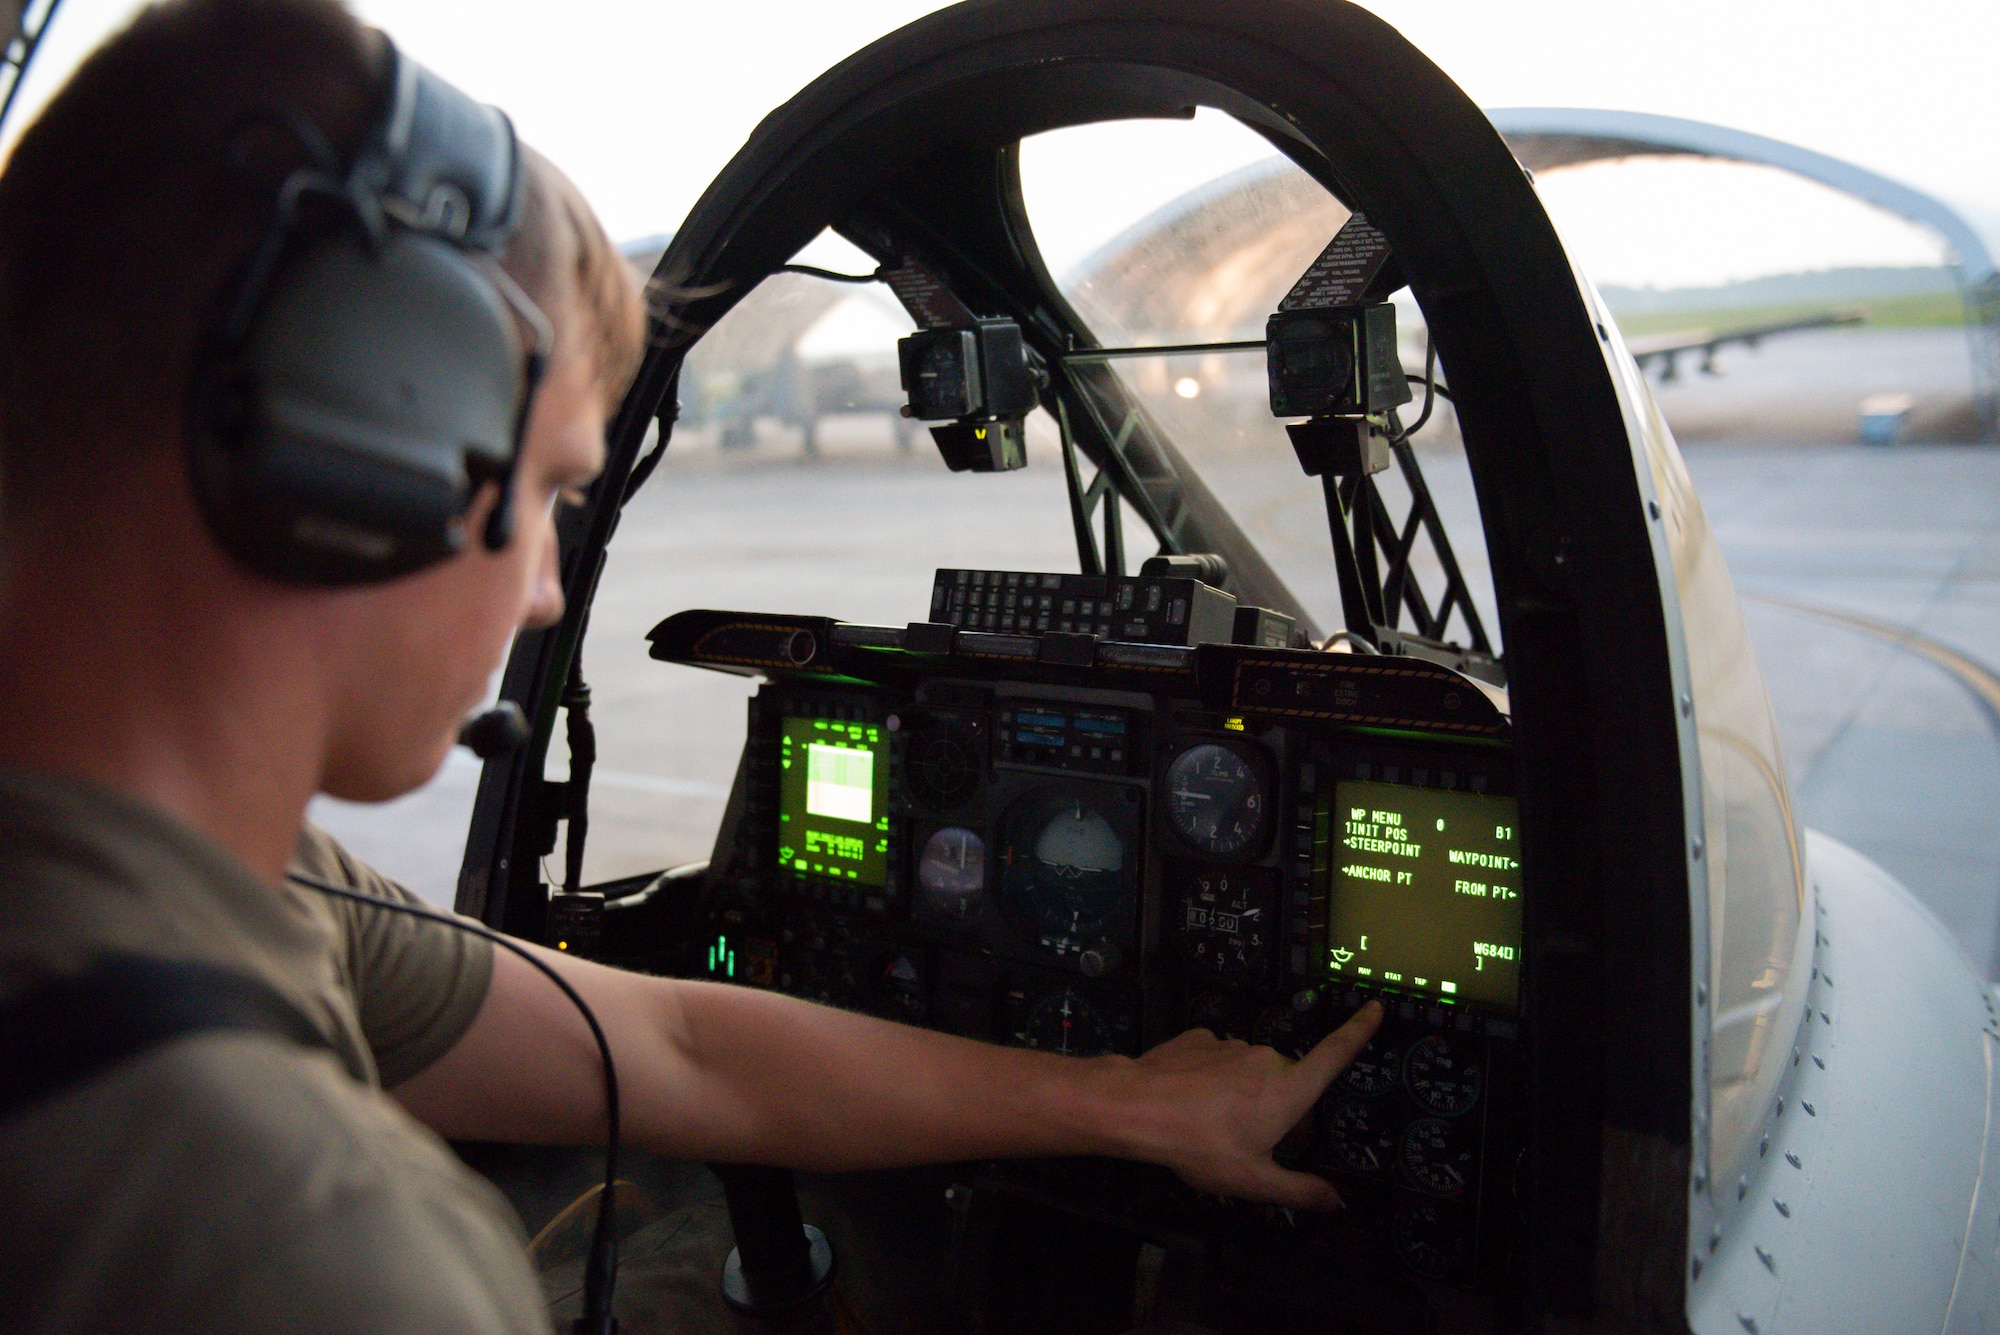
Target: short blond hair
{"type": "Point", "coordinates": [560, 237]}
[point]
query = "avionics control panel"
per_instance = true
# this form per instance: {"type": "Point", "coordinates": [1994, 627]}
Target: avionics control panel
{"type": "Point", "coordinates": [1090, 860]}
{"type": "Point", "coordinates": [1137, 609]}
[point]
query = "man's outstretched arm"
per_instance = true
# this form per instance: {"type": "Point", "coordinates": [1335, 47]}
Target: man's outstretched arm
{"type": "Point", "coordinates": [734, 1074]}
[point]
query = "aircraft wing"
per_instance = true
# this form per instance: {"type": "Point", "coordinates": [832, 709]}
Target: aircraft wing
{"type": "Point", "coordinates": [1666, 348]}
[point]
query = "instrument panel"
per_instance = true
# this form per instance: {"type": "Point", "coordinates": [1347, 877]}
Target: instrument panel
{"type": "Point", "coordinates": [1087, 872]}
{"type": "Point", "coordinates": [1056, 857]}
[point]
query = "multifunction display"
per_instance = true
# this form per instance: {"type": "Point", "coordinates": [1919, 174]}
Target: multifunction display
{"type": "Point", "coordinates": [833, 800]}
{"type": "Point", "coordinates": [1424, 891]}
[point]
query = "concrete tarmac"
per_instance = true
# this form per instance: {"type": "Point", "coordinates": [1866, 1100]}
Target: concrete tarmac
{"type": "Point", "coordinates": [1888, 750]}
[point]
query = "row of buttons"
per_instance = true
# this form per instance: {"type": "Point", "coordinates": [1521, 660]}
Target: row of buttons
{"type": "Point", "coordinates": [1301, 924]}
{"type": "Point", "coordinates": [1145, 609]}
{"type": "Point", "coordinates": [839, 896]}
{"type": "Point", "coordinates": [1421, 776]}
{"type": "Point", "coordinates": [1029, 623]}
{"type": "Point", "coordinates": [994, 600]}
{"type": "Point", "coordinates": [1011, 579]}
{"type": "Point", "coordinates": [1047, 755]}
{"type": "Point", "coordinates": [1437, 1017]}
{"type": "Point", "coordinates": [975, 603]}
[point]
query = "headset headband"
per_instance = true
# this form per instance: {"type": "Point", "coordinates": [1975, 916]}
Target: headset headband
{"type": "Point", "coordinates": [441, 163]}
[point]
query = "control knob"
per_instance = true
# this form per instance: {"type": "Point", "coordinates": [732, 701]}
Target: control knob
{"type": "Point", "coordinates": [1100, 960]}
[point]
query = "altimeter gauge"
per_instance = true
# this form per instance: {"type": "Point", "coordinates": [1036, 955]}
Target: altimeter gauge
{"type": "Point", "coordinates": [1229, 920]}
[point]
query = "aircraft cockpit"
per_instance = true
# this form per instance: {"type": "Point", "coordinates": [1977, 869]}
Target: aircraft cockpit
{"type": "Point", "coordinates": [1329, 618]}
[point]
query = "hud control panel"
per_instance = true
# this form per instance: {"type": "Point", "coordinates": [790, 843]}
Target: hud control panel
{"type": "Point", "coordinates": [1136, 609]}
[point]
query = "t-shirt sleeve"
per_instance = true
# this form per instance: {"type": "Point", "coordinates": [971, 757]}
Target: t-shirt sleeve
{"type": "Point", "coordinates": [418, 985]}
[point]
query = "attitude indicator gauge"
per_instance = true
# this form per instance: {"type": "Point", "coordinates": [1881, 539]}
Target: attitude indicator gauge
{"type": "Point", "coordinates": [1065, 869]}
{"type": "Point", "coordinates": [1218, 799]}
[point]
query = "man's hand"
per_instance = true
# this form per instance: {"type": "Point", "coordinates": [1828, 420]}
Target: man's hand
{"type": "Point", "coordinates": [1212, 1109]}
{"type": "Point", "coordinates": [740, 1075]}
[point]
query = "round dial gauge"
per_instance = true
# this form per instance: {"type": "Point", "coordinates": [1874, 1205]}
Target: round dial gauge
{"type": "Point", "coordinates": [1360, 1137]}
{"type": "Point", "coordinates": [943, 763]}
{"type": "Point", "coordinates": [1063, 867]}
{"type": "Point", "coordinates": [899, 987]}
{"type": "Point", "coordinates": [1373, 1071]}
{"type": "Point", "coordinates": [1430, 1239]}
{"type": "Point", "coordinates": [1442, 1076]}
{"type": "Point", "coordinates": [1063, 1021]}
{"type": "Point", "coordinates": [1228, 921]}
{"type": "Point", "coordinates": [952, 873]}
{"type": "Point", "coordinates": [1216, 799]}
{"type": "Point", "coordinates": [1438, 1156]}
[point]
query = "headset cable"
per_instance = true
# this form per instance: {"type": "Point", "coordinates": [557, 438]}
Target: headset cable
{"type": "Point", "coordinates": [600, 1276]}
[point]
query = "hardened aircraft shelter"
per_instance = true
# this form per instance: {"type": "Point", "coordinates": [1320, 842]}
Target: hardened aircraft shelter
{"type": "Point", "coordinates": [1545, 138]}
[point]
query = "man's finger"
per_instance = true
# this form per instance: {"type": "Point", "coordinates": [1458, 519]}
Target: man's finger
{"type": "Point", "coordinates": [1297, 1191]}
{"type": "Point", "coordinates": [1332, 1054]}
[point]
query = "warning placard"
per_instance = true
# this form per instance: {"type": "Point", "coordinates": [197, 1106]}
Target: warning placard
{"type": "Point", "coordinates": [923, 294]}
{"type": "Point", "coordinates": [1343, 270]}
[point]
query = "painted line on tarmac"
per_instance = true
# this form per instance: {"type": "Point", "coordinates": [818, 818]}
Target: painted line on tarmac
{"type": "Point", "coordinates": [1976, 676]}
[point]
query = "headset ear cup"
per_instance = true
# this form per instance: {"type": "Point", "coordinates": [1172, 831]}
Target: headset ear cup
{"type": "Point", "coordinates": [339, 443]}
{"type": "Point", "coordinates": [220, 406]}
{"type": "Point", "coordinates": [230, 407]}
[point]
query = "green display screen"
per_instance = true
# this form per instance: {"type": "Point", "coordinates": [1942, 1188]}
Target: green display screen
{"type": "Point", "coordinates": [1423, 891]}
{"type": "Point", "coordinates": [833, 800]}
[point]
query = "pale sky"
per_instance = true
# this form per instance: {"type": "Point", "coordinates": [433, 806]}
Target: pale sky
{"type": "Point", "coordinates": [643, 101]}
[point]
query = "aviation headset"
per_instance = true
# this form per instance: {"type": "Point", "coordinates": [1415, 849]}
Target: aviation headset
{"type": "Point", "coordinates": [373, 366]}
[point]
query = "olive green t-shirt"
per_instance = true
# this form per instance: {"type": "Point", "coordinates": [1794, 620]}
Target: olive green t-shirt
{"type": "Point", "coordinates": [236, 1182]}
